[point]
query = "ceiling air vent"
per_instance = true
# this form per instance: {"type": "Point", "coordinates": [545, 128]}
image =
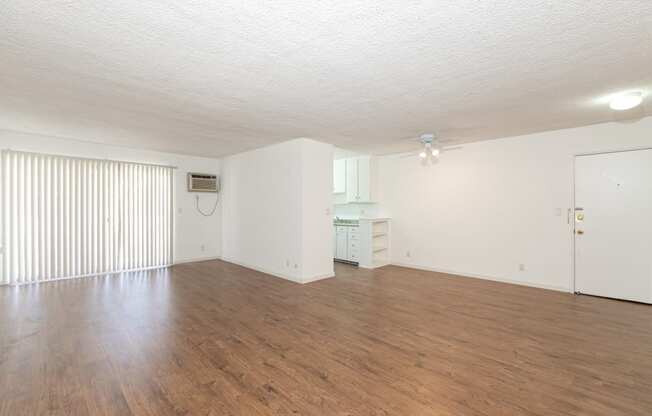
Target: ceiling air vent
{"type": "Point", "coordinates": [202, 182]}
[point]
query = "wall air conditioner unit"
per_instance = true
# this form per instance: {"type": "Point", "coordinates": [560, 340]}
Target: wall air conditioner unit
{"type": "Point", "coordinates": [203, 182]}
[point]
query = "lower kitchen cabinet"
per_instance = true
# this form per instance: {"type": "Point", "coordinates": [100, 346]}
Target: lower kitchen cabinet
{"type": "Point", "coordinates": [364, 242]}
{"type": "Point", "coordinates": [341, 241]}
{"type": "Point", "coordinates": [347, 243]}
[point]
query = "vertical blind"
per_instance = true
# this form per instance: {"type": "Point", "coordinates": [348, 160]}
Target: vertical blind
{"type": "Point", "coordinates": [70, 217]}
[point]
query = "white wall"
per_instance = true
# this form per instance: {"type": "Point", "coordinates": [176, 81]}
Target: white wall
{"type": "Point", "coordinates": [490, 206]}
{"type": "Point", "coordinates": [261, 213]}
{"type": "Point", "coordinates": [192, 230]}
{"type": "Point", "coordinates": [357, 210]}
{"type": "Point", "coordinates": [275, 205]}
{"type": "Point", "coordinates": [317, 197]}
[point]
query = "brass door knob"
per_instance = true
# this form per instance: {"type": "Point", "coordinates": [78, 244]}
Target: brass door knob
{"type": "Point", "coordinates": [580, 232]}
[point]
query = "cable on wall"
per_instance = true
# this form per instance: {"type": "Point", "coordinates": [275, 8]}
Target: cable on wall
{"type": "Point", "coordinates": [202, 212]}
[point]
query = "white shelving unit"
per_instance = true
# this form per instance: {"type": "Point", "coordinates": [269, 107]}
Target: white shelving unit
{"type": "Point", "coordinates": [374, 242]}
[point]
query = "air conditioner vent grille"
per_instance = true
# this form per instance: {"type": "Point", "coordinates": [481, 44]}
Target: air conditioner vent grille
{"type": "Point", "coordinates": [202, 182]}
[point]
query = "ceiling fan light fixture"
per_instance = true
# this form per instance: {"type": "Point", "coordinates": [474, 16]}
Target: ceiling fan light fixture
{"type": "Point", "coordinates": [423, 154]}
{"type": "Point", "coordinates": [435, 152]}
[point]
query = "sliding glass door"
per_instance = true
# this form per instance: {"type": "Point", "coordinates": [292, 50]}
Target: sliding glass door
{"type": "Point", "coordinates": [67, 217]}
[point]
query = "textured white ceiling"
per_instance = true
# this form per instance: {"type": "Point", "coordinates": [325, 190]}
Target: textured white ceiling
{"type": "Point", "coordinates": [213, 78]}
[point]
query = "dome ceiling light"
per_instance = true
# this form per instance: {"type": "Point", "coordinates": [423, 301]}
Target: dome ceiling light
{"type": "Point", "coordinates": [626, 101]}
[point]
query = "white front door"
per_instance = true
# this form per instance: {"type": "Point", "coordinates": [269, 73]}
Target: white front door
{"type": "Point", "coordinates": [613, 225]}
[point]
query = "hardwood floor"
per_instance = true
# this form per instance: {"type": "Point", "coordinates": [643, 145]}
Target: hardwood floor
{"type": "Point", "coordinates": [213, 338]}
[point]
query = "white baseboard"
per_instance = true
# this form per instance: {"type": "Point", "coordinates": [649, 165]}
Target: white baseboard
{"type": "Point", "coordinates": [375, 266]}
{"type": "Point", "coordinates": [279, 274]}
{"type": "Point", "coordinates": [400, 264]}
{"type": "Point", "coordinates": [196, 259]}
{"type": "Point", "coordinates": [318, 277]}
{"type": "Point", "coordinates": [485, 277]}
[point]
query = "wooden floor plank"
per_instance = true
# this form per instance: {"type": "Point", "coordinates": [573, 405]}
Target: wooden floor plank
{"type": "Point", "coordinates": [213, 338]}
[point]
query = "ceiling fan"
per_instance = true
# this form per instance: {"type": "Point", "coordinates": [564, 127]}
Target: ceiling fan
{"type": "Point", "coordinates": [432, 148]}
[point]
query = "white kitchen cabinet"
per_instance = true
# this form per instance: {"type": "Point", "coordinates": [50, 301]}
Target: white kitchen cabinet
{"type": "Point", "coordinates": [364, 179]}
{"type": "Point", "coordinates": [341, 243]}
{"type": "Point", "coordinates": [353, 250]}
{"type": "Point", "coordinates": [352, 180]}
{"type": "Point", "coordinates": [364, 242]}
{"type": "Point", "coordinates": [361, 179]}
{"type": "Point", "coordinates": [347, 243]}
{"type": "Point", "coordinates": [339, 176]}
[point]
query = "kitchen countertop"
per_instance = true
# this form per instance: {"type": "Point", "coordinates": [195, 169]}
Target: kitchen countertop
{"type": "Point", "coordinates": [354, 222]}
{"type": "Point", "coordinates": [346, 222]}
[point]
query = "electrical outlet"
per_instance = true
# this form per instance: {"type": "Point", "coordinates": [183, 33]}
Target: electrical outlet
{"type": "Point", "coordinates": [408, 254]}
{"type": "Point", "coordinates": [521, 267]}
{"type": "Point", "coordinates": [287, 263]}
{"type": "Point", "coordinates": [296, 266]}
{"type": "Point", "coordinates": [203, 247]}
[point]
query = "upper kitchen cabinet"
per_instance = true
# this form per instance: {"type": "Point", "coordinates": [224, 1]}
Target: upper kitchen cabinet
{"type": "Point", "coordinates": [361, 179]}
{"type": "Point", "coordinates": [339, 176]}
